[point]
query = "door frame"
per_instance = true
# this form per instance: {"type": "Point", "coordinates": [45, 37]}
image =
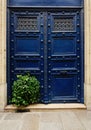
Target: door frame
{"type": "Point", "coordinates": [87, 55]}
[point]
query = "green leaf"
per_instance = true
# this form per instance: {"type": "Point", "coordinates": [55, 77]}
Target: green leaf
{"type": "Point", "coordinates": [25, 90]}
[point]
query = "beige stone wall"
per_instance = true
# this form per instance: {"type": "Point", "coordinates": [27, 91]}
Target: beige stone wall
{"type": "Point", "coordinates": [87, 25]}
{"type": "Point", "coordinates": [87, 86]}
{"type": "Point", "coordinates": [3, 54]}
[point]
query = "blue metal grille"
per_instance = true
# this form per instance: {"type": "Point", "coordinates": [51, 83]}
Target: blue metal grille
{"type": "Point", "coordinates": [64, 24]}
{"type": "Point", "coordinates": [27, 23]}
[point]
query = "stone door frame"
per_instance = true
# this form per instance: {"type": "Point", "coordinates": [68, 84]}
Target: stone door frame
{"type": "Point", "coordinates": [87, 54]}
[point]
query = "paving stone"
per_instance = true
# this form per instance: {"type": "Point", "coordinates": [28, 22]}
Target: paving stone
{"type": "Point", "coordinates": [50, 121]}
{"type": "Point", "coordinates": [30, 122]}
{"type": "Point", "coordinates": [50, 126]}
{"type": "Point", "coordinates": [49, 116]}
{"type": "Point", "coordinates": [1, 115]}
{"type": "Point", "coordinates": [85, 118]}
{"type": "Point", "coordinates": [13, 116]}
{"type": "Point", "coordinates": [70, 121]}
{"type": "Point", "coordinates": [10, 125]}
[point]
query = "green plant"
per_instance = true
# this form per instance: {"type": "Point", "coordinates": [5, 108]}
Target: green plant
{"type": "Point", "coordinates": [25, 90]}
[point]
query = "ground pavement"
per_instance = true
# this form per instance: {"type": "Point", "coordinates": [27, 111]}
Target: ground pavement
{"type": "Point", "coordinates": [50, 120]}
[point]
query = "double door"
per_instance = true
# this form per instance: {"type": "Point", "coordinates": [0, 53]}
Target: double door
{"type": "Point", "coordinates": [49, 45]}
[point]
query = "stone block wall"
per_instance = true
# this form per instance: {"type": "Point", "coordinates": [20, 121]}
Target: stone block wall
{"type": "Point", "coordinates": [3, 87]}
{"type": "Point", "coordinates": [87, 51]}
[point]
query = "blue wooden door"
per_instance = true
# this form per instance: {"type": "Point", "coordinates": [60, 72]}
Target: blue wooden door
{"type": "Point", "coordinates": [65, 56]}
{"type": "Point", "coordinates": [48, 44]}
{"type": "Point", "coordinates": [25, 46]}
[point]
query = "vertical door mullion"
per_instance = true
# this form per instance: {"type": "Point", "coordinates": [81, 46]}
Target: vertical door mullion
{"type": "Point", "coordinates": [45, 60]}
{"type": "Point", "coordinates": [49, 56]}
{"type": "Point", "coordinates": [42, 57]}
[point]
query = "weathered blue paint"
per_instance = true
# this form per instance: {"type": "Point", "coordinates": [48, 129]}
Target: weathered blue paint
{"type": "Point", "coordinates": [55, 57]}
{"type": "Point", "coordinates": [66, 60]}
{"type": "Point", "coordinates": [51, 51]}
{"type": "Point", "coordinates": [45, 2]}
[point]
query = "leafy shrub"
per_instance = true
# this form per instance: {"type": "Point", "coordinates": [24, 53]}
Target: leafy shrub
{"type": "Point", "coordinates": [25, 90]}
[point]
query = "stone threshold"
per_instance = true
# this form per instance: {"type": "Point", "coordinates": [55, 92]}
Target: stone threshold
{"type": "Point", "coordinates": [46, 107]}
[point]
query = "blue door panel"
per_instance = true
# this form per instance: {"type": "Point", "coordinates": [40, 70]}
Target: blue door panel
{"type": "Point", "coordinates": [63, 46]}
{"type": "Point", "coordinates": [63, 86]}
{"type": "Point", "coordinates": [27, 45]}
{"type": "Point", "coordinates": [63, 64]}
{"type": "Point", "coordinates": [27, 64]}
